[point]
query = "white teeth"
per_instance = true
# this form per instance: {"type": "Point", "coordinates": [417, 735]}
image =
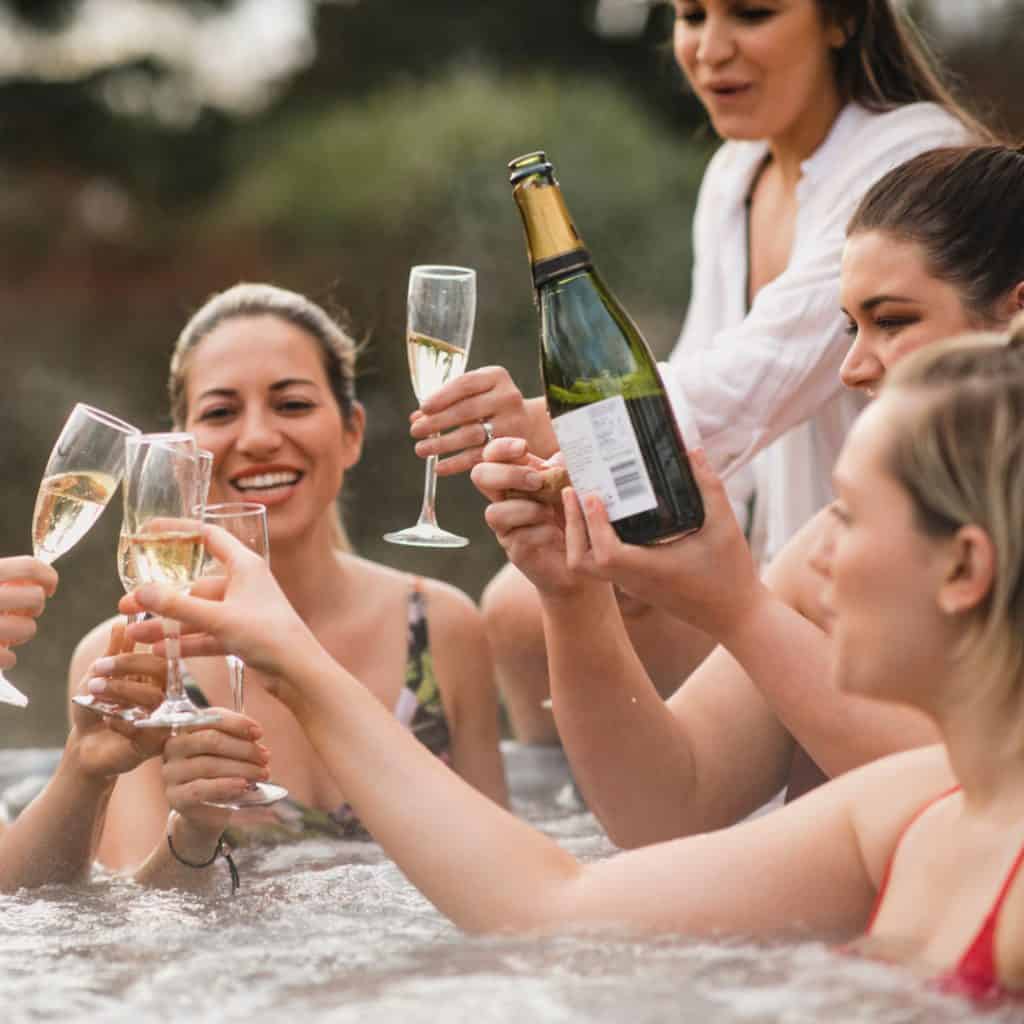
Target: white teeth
{"type": "Point", "coordinates": [265, 480]}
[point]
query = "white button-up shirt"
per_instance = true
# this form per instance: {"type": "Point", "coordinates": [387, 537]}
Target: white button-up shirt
{"type": "Point", "coordinates": [744, 379]}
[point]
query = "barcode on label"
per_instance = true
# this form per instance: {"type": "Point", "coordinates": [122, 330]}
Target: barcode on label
{"type": "Point", "coordinates": [603, 456]}
{"type": "Point", "coordinates": [629, 479]}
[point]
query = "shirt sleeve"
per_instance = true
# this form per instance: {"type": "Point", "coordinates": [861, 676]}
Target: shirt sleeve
{"type": "Point", "coordinates": [749, 384]}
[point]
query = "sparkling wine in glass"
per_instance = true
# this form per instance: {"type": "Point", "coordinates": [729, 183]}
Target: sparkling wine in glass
{"type": "Point", "coordinates": [246, 520]}
{"type": "Point", "coordinates": [162, 493]}
{"type": "Point", "coordinates": [127, 572]}
{"type": "Point", "coordinates": [441, 312]}
{"type": "Point", "coordinates": [83, 471]}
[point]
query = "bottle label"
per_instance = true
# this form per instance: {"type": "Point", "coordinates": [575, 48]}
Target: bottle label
{"type": "Point", "coordinates": [603, 457]}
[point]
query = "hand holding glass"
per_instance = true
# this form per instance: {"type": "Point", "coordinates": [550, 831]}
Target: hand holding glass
{"type": "Point", "coordinates": [83, 471]}
{"type": "Point", "coordinates": [246, 520]}
{"type": "Point", "coordinates": [442, 309]}
{"type": "Point", "coordinates": [162, 491]}
{"type": "Point", "coordinates": [129, 577]}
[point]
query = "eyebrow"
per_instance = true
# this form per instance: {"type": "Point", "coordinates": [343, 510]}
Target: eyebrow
{"type": "Point", "coordinates": [877, 300]}
{"type": "Point", "coordinates": [278, 385]}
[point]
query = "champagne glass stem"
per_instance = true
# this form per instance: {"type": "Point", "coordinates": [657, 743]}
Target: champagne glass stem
{"type": "Point", "coordinates": [236, 670]}
{"type": "Point", "coordinates": [428, 510]}
{"type": "Point", "coordinates": [175, 673]}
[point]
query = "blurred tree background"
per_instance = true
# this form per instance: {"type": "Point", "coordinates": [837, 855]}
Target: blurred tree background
{"type": "Point", "coordinates": [158, 150]}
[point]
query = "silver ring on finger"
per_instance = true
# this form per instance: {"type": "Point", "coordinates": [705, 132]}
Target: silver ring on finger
{"type": "Point", "coordinates": [488, 431]}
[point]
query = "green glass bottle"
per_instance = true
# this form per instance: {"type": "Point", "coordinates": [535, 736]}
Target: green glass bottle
{"type": "Point", "coordinates": [605, 396]}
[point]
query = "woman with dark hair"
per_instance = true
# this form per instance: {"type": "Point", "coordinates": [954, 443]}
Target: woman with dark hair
{"type": "Point", "coordinates": [816, 99]}
{"type": "Point", "coordinates": [933, 250]}
{"type": "Point", "coordinates": [265, 380]}
{"type": "Point", "coordinates": [919, 853]}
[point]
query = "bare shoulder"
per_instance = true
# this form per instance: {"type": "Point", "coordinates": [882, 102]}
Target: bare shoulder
{"type": "Point", "coordinates": [884, 796]}
{"type": "Point", "coordinates": [92, 646]}
{"type": "Point", "coordinates": [448, 607]}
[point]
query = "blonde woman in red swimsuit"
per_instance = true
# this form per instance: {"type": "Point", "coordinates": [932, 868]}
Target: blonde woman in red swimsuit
{"type": "Point", "coordinates": [917, 852]}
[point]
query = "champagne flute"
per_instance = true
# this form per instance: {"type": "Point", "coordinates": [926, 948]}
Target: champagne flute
{"type": "Point", "coordinates": [246, 520]}
{"type": "Point", "coordinates": [129, 577]}
{"type": "Point", "coordinates": [441, 311]}
{"type": "Point", "coordinates": [83, 471]}
{"type": "Point", "coordinates": [161, 494]}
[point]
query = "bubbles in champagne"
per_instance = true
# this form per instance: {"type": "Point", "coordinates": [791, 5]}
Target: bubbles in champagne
{"type": "Point", "coordinates": [432, 363]}
{"type": "Point", "coordinates": [126, 568]}
{"type": "Point", "coordinates": [173, 557]}
{"type": "Point", "coordinates": [66, 507]}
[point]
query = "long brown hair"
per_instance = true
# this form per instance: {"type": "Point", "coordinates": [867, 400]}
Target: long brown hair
{"type": "Point", "coordinates": [337, 351]}
{"type": "Point", "coordinates": [885, 63]}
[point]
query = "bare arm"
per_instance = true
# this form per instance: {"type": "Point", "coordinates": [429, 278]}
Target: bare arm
{"type": "Point", "coordinates": [788, 657]}
{"type": "Point", "coordinates": [709, 580]}
{"type": "Point", "coordinates": [55, 837]}
{"type": "Point", "coordinates": [466, 678]}
{"type": "Point", "coordinates": [710, 756]}
{"type": "Point", "coordinates": [814, 865]}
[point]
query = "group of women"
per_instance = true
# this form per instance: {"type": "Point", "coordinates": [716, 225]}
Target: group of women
{"type": "Point", "coordinates": [880, 645]}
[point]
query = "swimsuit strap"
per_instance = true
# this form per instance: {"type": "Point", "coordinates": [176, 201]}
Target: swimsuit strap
{"type": "Point", "coordinates": [977, 967]}
{"type": "Point", "coordinates": [899, 842]}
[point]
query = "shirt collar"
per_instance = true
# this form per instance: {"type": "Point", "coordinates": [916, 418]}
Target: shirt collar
{"type": "Point", "coordinates": [745, 158]}
{"type": "Point", "coordinates": [822, 162]}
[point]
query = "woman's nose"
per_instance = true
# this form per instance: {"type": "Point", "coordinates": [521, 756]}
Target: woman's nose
{"type": "Point", "coordinates": [716, 40]}
{"type": "Point", "coordinates": [861, 368]}
{"type": "Point", "coordinates": [259, 434]}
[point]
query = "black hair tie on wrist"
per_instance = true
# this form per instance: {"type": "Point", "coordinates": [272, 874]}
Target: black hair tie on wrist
{"type": "Point", "coordinates": [221, 850]}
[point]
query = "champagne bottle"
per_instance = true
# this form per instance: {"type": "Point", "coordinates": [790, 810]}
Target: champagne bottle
{"type": "Point", "coordinates": [605, 397]}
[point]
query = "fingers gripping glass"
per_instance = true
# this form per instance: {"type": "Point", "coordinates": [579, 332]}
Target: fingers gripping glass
{"type": "Point", "coordinates": [128, 574]}
{"type": "Point", "coordinates": [162, 492]}
{"type": "Point", "coordinates": [247, 521]}
{"type": "Point", "coordinates": [83, 471]}
{"type": "Point", "coordinates": [442, 308]}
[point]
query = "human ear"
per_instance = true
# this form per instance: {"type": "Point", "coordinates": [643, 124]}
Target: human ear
{"type": "Point", "coordinates": [1017, 298]}
{"type": "Point", "coordinates": [840, 33]}
{"type": "Point", "coordinates": [970, 571]}
{"type": "Point", "coordinates": [353, 430]}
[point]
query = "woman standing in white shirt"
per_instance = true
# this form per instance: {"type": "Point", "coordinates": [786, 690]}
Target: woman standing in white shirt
{"type": "Point", "coordinates": [817, 99]}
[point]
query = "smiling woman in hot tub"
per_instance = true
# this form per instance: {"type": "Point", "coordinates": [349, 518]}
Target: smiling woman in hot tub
{"type": "Point", "coordinates": [265, 379]}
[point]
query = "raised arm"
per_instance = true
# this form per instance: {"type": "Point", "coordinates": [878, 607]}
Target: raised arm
{"type": "Point", "coordinates": [711, 755]}
{"type": "Point", "coordinates": [709, 581]}
{"type": "Point", "coordinates": [56, 837]}
{"type": "Point", "coordinates": [814, 865]}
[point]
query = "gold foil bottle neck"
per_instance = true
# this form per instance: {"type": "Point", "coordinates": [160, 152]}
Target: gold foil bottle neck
{"type": "Point", "coordinates": [550, 231]}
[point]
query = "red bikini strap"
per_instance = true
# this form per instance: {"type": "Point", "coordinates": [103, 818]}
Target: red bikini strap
{"type": "Point", "coordinates": [899, 842]}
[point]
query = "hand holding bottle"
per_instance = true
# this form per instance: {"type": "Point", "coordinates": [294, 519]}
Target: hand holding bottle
{"type": "Point", "coordinates": [707, 579]}
{"type": "Point", "coordinates": [608, 406]}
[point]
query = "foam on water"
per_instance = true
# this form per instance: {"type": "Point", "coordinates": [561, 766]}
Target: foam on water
{"type": "Point", "coordinates": [324, 931]}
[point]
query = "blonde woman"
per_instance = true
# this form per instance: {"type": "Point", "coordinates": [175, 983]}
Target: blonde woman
{"type": "Point", "coordinates": [919, 853]}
